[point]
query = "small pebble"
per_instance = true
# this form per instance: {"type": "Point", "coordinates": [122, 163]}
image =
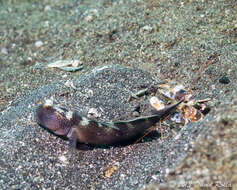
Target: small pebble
{"type": "Point", "coordinates": [176, 64]}
{"type": "Point", "coordinates": [47, 8]}
{"type": "Point", "coordinates": [146, 28]}
{"type": "Point", "coordinates": [38, 44]}
{"type": "Point", "coordinates": [89, 18]}
{"type": "Point", "coordinates": [46, 23]}
{"type": "Point", "coordinates": [224, 80]}
{"type": "Point", "coordinates": [91, 14]}
{"type": "Point", "coordinates": [62, 158]}
{"type": "Point", "coordinates": [93, 113]}
{"type": "Point", "coordinates": [135, 114]}
{"type": "Point", "coordinates": [4, 51]}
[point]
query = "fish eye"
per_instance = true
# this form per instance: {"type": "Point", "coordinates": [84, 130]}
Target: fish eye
{"type": "Point", "coordinates": [182, 91]}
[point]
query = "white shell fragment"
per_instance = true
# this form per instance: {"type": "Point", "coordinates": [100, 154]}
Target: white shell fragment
{"type": "Point", "coordinates": [63, 160]}
{"type": "Point", "coordinates": [38, 44]}
{"type": "Point", "coordinates": [48, 103]}
{"type": "Point", "coordinates": [156, 103]}
{"type": "Point", "coordinates": [93, 112]}
{"type": "Point", "coordinates": [70, 84]}
{"type": "Point", "coordinates": [4, 51]}
{"type": "Point", "coordinates": [66, 65]}
{"type": "Point", "coordinates": [61, 63]}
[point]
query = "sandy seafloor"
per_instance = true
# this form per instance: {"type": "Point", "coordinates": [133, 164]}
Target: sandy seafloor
{"type": "Point", "coordinates": [169, 39]}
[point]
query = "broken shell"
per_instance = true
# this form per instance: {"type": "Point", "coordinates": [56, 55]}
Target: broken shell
{"type": "Point", "coordinates": [110, 171]}
{"type": "Point", "coordinates": [191, 113]}
{"type": "Point", "coordinates": [62, 63]}
{"type": "Point", "coordinates": [66, 65]}
{"type": "Point", "coordinates": [156, 103]}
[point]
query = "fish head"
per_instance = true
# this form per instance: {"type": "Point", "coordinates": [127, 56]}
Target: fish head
{"type": "Point", "coordinates": [54, 118]}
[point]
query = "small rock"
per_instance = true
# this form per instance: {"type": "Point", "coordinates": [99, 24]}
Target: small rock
{"type": "Point", "coordinates": [47, 8]}
{"type": "Point", "coordinates": [89, 18]}
{"type": "Point", "coordinates": [46, 23]}
{"type": "Point", "coordinates": [63, 160]}
{"type": "Point", "coordinates": [146, 28]}
{"type": "Point", "coordinates": [90, 14]}
{"type": "Point", "coordinates": [38, 44]}
{"type": "Point", "coordinates": [4, 51]}
{"type": "Point", "coordinates": [135, 114]}
{"type": "Point", "coordinates": [224, 80]}
{"type": "Point", "coordinates": [93, 113]}
{"type": "Point", "coordinates": [176, 64]}
{"type": "Point", "coordinates": [70, 84]}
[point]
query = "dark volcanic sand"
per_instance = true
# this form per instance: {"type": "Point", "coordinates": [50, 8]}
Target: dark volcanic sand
{"type": "Point", "coordinates": [169, 39]}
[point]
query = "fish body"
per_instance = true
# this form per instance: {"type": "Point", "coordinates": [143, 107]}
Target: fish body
{"type": "Point", "coordinates": [71, 125]}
